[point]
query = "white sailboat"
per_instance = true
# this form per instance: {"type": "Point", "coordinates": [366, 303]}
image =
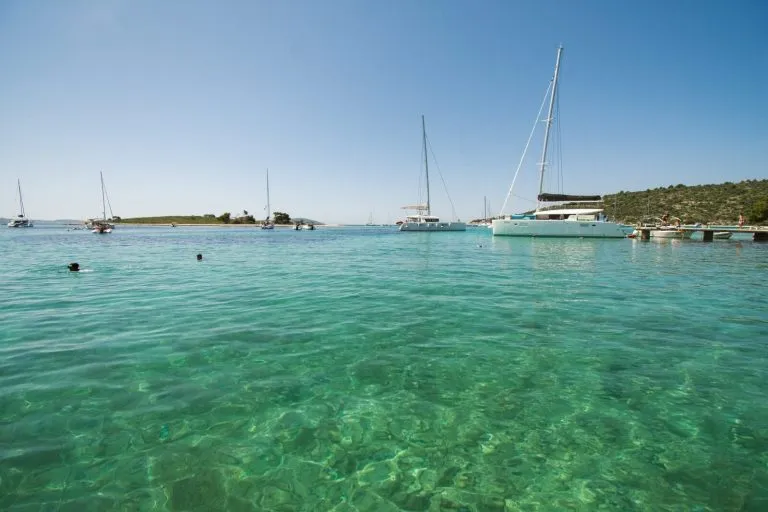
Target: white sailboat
{"type": "Point", "coordinates": [101, 226]}
{"type": "Point", "coordinates": [21, 220]}
{"type": "Point", "coordinates": [486, 210]}
{"type": "Point", "coordinates": [423, 220]}
{"type": "Point", "coordinates": [555, 214]}
{"type": "Point", "coordinates": [268, 224]}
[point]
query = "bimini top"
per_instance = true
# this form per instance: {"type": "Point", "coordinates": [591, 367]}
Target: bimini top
{"type": "Point", "coordinates": [422, 218]}
{"type": "Point", "coordinates": [564, 197]}
{"type": "Point", "coordinates": [570, 211]}
{"type": "Point", "coordinates": [417, 207]}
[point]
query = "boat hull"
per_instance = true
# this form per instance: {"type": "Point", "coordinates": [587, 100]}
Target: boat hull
{"type": "Point", "coordinates": [433, 226]}
{"type": "Point", "coordinates": [671, 233]}
{"type": "Point", "coordinates": [557, 228]}
{"type": "Point", "coordinates": [24, 223]}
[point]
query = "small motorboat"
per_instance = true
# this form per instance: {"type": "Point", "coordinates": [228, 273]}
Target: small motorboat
{"type": "Point", "coordinates": [661, 228]}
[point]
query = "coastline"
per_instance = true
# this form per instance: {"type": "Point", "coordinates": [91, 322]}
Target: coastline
{"type": "Point", "coordinates": [214, 225]}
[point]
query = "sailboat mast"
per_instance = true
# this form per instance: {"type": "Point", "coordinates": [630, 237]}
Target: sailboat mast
{"type": "Point", "coordinates": [21, 201]}
{"type": "Point", "coordinates": [485, 209]}
{"type": "Point", "coordinates": [426, 160]}
{"type": "Point", "coordinates": [549, 121]}
{"type": "Point", "coordinates": [103, 197]}
{"type": "Point", "coordinates": [269, 210]}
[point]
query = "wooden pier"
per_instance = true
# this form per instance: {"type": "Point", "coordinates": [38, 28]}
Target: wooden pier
{"type": "Point", "coordinates": [759, 233]}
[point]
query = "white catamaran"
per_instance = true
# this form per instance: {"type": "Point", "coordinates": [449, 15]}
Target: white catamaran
{"type": "Point", "coordinates": [21, 220]}
{"type": "Point", "coordinates": [555, 215]}
{"type": "Point", "coordinates": [423, 220]}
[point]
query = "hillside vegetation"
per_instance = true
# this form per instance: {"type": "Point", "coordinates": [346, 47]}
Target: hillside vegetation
{"type": "Point", "coordinates": [176, 219]}
{"type": "Point", "coordinates": [708, 204]}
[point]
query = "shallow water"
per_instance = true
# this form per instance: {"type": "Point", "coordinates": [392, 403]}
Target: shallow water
{"type": "Point", "coordinates": [366, 369]}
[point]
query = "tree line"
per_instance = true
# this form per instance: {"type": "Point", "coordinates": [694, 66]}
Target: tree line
{"type": "Point", "coordinates": [707, 204]}
{"type": "Point", "coordinates": [208, 218]}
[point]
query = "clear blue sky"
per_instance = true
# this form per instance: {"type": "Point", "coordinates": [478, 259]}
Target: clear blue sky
{"type": "Point", "coordinates": [184, 104]}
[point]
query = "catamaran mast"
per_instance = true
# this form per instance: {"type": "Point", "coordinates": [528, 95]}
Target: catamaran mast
{"type": "Point", "coordinates": [21, 201]}
{"type": "Point", "coordinates": [426, 159]}
{"type": "Point", "coordinates": [103, 197]}
{"type": "Point", "coordinates": [549, 121]}
{"type": "Point", "coordinates": [269, 211]}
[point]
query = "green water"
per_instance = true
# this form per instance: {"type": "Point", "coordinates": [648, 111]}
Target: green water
{"type": "Point", "coordinates": [371, 370]}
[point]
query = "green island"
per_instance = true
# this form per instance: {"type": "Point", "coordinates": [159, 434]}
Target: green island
{"type": "Point", "coordinates": [718, 204]}
{"type": "Point", "coordinates": [207, 219]}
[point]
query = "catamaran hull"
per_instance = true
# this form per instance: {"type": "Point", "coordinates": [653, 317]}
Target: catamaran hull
{"type": "Point", "coordinates": [433, 226]}
{"type": "Point", "coordinates": [556, 228]}
{"type": "Point", "coordinates": [20, 224]}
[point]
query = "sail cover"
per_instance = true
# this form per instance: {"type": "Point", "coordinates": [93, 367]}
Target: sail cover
{"type": "Point", "coordinates": [565, 197]}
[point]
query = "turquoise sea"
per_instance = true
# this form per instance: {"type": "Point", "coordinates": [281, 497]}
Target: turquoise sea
{"type": "Point", "coordinates": [363, 369]}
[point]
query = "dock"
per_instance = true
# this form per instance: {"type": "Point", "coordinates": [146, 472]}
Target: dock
{"type": "Point", "coordinates": [759, 233]}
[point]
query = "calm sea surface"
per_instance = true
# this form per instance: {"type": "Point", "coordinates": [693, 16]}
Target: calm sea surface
{"type": "Point", "coordinates": [363, 369]}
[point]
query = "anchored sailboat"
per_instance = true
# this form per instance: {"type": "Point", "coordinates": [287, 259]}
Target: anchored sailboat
{"type": "Point", "coordinates": [101, 226]}
{"type": "Point", "coordinates": [423, 220]}
{"type": "Point", "coordinates": [486, 210]}
{"type": "Point", "coordinates": [268, 224]}
{"type": "Point", "coordinates": [560, 219]}
{"type": "Point", "coordinates": [21, 220]}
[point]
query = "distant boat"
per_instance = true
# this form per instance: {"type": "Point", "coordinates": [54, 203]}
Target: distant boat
{"type": "Point", "coordinates": [268, 224]}
{"type": "Point", "coordinates": [304, 226]}
{"type": "Point", "coordinates": [670, 232]}
{"type": "Point", "coordinates": [423, 220]}
{"type": "Point", "coordinates": [101, 226]}
{"type": "Point", "coordinates": [555, 214]}
{"type": "Point", "coordinates": [722, 235]}
{"type": "Point", "coordinates": [21, 220]}
{"type": "Point", "coordinates": [662, 229]}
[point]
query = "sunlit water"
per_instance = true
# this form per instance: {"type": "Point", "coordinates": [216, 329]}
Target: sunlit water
{"type": "Point", "coordinates": [367, 369]}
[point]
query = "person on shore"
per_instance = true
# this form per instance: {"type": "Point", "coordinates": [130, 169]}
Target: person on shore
{"type": "Point", "coordinates": [741, 220]}
{"type": "Point", "coordinates": [665, 218]}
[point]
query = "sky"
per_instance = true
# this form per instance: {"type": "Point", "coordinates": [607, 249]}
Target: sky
{"type": "Point", "coordinates": [184, 105]}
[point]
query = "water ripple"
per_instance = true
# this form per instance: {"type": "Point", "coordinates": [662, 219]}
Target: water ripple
{"type": "Point", "coordinates": [368, 369]}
